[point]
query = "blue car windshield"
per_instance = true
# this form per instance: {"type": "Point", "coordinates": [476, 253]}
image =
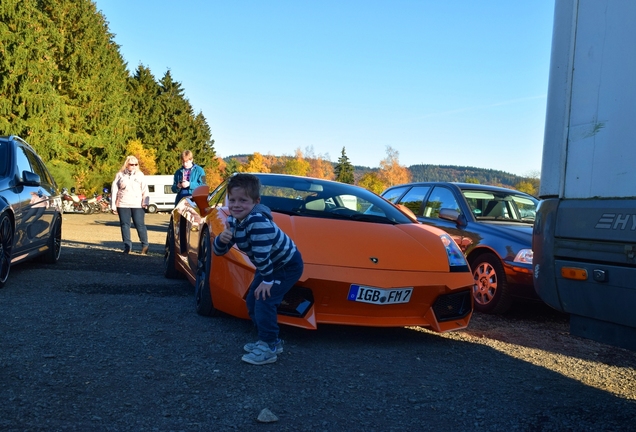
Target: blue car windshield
{"type": "Point", "coordinates": [515, 206]}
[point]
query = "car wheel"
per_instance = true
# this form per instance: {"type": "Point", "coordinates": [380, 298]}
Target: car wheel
{"type": "Point", "coordinates": [6, 245]}
{"type": "Point", "coordinates": [490, 292]}
{"type": "Point", "coordinates": [169, 269]}
{"type": "Point", "coordinates": [54, 246]}
{"type": "Point", "coordinates": [202, 293]}
{"type": "Point", "coordinates": [152, 208]}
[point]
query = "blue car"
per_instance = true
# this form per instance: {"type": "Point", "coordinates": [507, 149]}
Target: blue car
{"type": "Point", "coordinates": [30, 207]}
{"type": "Point", "coordinates": [492, 226]}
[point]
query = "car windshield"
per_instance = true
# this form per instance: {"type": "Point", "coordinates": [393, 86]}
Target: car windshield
{"type": "Point", "coordinates": [489, 205]}
{"type": "Point", "coordinates": [304, 196]}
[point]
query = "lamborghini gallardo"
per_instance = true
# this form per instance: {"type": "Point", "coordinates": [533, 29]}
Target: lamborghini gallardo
{"type": "Point", "coordinates": [367, 261]}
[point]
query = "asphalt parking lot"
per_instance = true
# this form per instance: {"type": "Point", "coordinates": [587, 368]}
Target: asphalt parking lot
{"type": "Point", "coordinates": [102, 341]}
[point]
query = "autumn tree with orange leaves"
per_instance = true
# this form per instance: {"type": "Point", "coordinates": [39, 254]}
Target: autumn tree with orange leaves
{"type": "Point", "coordinates": [319, 165]}
{"type": "Point", "coordinates": [391, 173]}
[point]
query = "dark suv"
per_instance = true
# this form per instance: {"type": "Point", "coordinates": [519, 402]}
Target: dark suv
{"type": "Point", "coordinates": [493, 227]}
{"type": "Point", "coordinates": [30, 207]}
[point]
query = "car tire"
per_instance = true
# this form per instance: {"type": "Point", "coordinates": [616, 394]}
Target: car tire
{"type": "Point", "coordinates": [54, 246]}
{"type": "Point", "coordinates": [490, 293]}
{"type": "Point", "coordinates": [202, 295]}
{"type": "Point", "coordinates": [6, 246]}
{"type": "Point", "coordinates": [169, 269]}
{"type": "Point", "coordinates": [152, 208]}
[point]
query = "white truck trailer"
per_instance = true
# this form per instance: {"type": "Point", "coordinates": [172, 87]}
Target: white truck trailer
{"type": "Point", "coordinates": [584, 238]}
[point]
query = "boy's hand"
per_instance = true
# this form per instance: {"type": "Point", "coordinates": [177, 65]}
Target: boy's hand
{"type": "Point", "coordinates": [263, 290]}
{"type": "Point", "coordinates": [226, 236]}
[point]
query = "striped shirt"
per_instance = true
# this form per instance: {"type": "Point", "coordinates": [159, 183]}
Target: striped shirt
{"type": "Point", "coordinates": [266, 245]}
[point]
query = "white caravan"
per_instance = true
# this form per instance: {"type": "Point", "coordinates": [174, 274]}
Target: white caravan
{"type": "Point", "coordinates": [160, 192]}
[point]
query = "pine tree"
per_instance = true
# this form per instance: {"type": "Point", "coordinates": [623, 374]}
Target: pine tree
{"type": "Point", "coordinates": [144, 91]}
{"type": "Point", "coordinates": [91, 78]}
{"type": "Point", "coordinates": [344, 170]}
{"type": "Point", "coordinates": [166, 122]}
{"type": "Point", "coordinates": [64, 87]}
{"type": "Point", "coordinates": [203, 144]}
{"type": "Point", "coordinates": [233, 166]}
{"type": "Point", "coordinates": [30, 107]}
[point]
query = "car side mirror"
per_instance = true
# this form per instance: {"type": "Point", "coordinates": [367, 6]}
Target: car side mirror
{"type": "Point", "coordinates": [451, 215]}
{"type": "Point", "coordinates": [200, 198]}
{"type": "Point", "coordinates": [30, 178]}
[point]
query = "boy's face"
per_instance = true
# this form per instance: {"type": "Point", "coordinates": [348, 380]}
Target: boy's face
{"type": "Point", "coordinates": [239, 203]}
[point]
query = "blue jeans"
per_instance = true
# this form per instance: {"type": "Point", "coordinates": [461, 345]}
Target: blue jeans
{"type": "Point", "coordinates": [263, 312]}
{"type": "Point", "coordinates": [182, 194]}
{"type": "Point", "coordinates": [138, 215]}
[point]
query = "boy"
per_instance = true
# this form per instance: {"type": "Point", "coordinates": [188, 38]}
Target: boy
{"type": "Point", "coordinates": [187, 178]}
{"type": "Point", "coordinates": [278, 262]}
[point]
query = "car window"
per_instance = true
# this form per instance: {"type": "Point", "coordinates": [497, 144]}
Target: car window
{"type": "Point", "coordinates": [393, 194]}
{"type": "Point", "coordinates": [441, 197]}
{"type": "Point", "coordinates": [526, 206]}
{"type": "Point", "coordinates": [4, 158]}
{"type": "Point", "coordinates": [414, 198]}
{"type": "Point", "coordinates": [38, 167]}
{"type": "Point", "coordinates": [23, 162]}
{"type": "Point", "coordinates": [217, 197]}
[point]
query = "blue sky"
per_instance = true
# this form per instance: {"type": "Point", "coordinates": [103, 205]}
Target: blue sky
{"type": "Point", "coordinates": [457, 82]}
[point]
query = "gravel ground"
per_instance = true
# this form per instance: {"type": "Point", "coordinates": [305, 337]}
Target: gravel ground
{"type": "Point", "coordinates": [102, 342]}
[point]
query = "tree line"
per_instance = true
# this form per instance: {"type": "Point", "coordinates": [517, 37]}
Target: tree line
{"type": "Point", "coordinates": [66, 89]}
{"type": "Point", "coordinates": [389, 173]}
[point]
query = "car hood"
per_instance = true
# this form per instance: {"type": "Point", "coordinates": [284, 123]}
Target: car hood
{"type": "Point", "coordinates": [361, 245]}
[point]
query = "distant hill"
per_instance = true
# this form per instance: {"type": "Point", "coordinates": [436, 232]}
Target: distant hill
{"type": "Point", "coordinates": [462, 174]}
{"type": "Point", "coordinates": [451, 173]}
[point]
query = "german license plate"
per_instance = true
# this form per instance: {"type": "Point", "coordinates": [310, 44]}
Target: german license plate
{"type": "Point", "coordinates": [380, 296]}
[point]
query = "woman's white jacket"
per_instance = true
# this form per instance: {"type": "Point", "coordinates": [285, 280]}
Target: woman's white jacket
{"type": "Point", "coordinates": [129, 190]}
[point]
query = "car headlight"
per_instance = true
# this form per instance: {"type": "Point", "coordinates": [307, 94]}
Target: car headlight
{"type": "Point", "coordinates": [524, 256]}
{"type": "Point", "coordinates": [455, 255]}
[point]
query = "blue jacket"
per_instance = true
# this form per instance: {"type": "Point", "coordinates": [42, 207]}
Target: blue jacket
{"type": "Point", "coordinates": [197, 178]}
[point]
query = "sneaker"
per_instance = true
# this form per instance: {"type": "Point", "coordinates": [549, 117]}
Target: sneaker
{"type": "Point", "coordinates": [250, 347]}
{"type": "Point", "coordinates": [144, 250]}
{"type": "Point", "coordinates": [126, 250]}
{"type": "Point", "coordinates": [261, 355]}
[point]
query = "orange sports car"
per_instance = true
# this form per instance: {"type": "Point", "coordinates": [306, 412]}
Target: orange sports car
{"type": "Point", "coordinates": [367, 261]}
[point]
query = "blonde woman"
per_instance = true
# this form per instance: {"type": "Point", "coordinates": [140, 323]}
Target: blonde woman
{"type": "Point", "coordinates": [130, 199]}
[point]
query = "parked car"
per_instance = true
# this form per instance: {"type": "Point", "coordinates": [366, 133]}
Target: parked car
{"type": "Point", "coordinates": [30, 207]}
{"type": "Point", "coordinates": [367, 262]}
{"type": "Point", "coordinates": [492, 226]}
